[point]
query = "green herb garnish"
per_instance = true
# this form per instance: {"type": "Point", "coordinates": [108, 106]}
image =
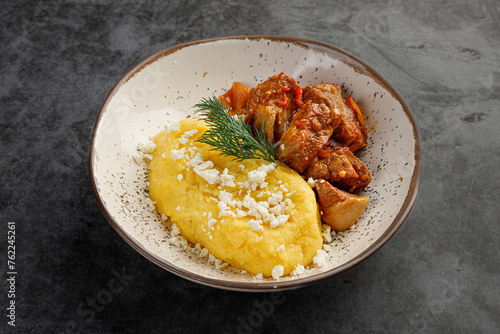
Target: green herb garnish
{"type": "Point", "coordinates": [231, 135]}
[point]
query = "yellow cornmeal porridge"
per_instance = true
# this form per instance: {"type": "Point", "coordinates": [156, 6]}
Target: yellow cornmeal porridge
{"type": "Point", "coordinates": [253, 214]}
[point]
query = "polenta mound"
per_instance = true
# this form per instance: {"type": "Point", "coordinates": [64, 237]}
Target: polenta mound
{"type": "Point", "coordinates": [254, 215]}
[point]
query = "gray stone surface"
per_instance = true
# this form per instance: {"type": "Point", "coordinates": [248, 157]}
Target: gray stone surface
{"type": "Point", "coordinates": [438, 274]}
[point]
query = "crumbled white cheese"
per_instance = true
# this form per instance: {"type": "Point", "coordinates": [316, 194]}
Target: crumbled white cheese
{"type": "Point", "coordinates": [275, 198]}
{"type": "Point", "coordinates": [175, 230]}
{"type": "Point", "coordinates": [240, 213]}
{"type": "Point", "coordinates": [311, 182]}
{"type": "Point", "coordinates": [226, 179]}
{"type": "Point", "coordinates": [204, 253]}
{"type": "Point", "coordinates": [217, 262]}
{"type": "Point", "coordinates": [137, 158]}
{"type": "Point", "coordinates": [299, 270]}
{"type": "Point", "coordinates": [327, 236]}
{"type": "Point", "coordinates": [192, 151]}
{"type": "Point", "coordinates": [320, 258]}
{"type": "Point", "coordinates": [263, 205]}
{"type": "Point", "coordinates": [283, 187]}
{"type": "Point", "coordinates": [196, 160]}
{"type": "Point", "coordinates": [277, 271]}
{"type": "Point", "coordinates": [179, 242]}
{"type": "Point", "coordinates": [224, 196]}
{"type": "Point", "coordinates": [180, 177]}
{"type": "Point", "coordinates": [256, 225]}
{"type": "Point", "coordinates": [209, 175]}
{"type": "Point", "coordinates": [258, 276]}
{"type": "Point", "coordinates": [267, 168]}
{"type": "Point", "coordinates": [184, 137]}
{"type": "Point", "coordinates": [144, 152]}
{"type": "Point", "coordinates": [205, 170]}
{"type": "Point", "coordinates": [279, 221]}
{"type": "Point", "coordinates": [176, 238]}
{"type": "Point", "coordinates": [211, 222]}
{"type": "Point", "coordinates": [174, 127]}
{"type": "Point", "coordinates": [222, 206]}
{"type": "Point", "coordinates": [146, 147]}
{"type": "Point", "coordinates": [190, 133]}
{"type": "Point", "coordinates": [256, 178]}
{"type": "Point", "coordinates": [178, 154]}
{"type": "Point", "coordinates": [249, 203]}
{"type": "Point", "coordinates": [280, 248]}
{"type": "Point", "coordinates": [278, 209]}
{"type": "Point", "coordinates": [150, 204]}
{"type": "Point", "coordinates": [226, 213]}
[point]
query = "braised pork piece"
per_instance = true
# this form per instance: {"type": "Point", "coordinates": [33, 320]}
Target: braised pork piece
{"type": "Point", "coordinates": [351, 131]}
{"type": "Point", "coordinates": [272, 103]}
{"type": "Point", "coordinates": [339, 166]}
{"type": "Point", "coordinates": [308, 133]}
{"type": "Point", "coordinates": [316, 132]}
{"type": "Point", "coordinates": [339, 209]}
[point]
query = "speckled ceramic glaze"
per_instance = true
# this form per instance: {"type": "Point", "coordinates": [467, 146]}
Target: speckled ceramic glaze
{"type": "Point", "coordinates": [163, 89]}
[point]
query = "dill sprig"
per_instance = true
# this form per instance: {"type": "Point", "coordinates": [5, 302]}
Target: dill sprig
{"type": "Point", "coordinates": [231, 135]}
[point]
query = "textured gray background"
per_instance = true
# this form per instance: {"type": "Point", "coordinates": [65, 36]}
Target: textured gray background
{"type": "Point", "coordinates": [438, 274]}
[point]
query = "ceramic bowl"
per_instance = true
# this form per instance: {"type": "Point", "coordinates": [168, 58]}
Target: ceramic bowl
{"type": "Point", "coordinates": [164, 87]}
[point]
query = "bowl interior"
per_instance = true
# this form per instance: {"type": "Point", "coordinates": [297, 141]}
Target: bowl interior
{"type": "Point", "coordinates": [163, 89]}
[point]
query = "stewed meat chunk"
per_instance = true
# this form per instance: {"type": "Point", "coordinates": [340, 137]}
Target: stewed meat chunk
{"type": "Point", "coordinates": [339, 209]}
{"type": "Point", "coordinates": [272, 104]}
{"type": "Point", "coordinates": [308, 133]}
{"type": "Point", "coordinates": [351, 131]}
{"type": "Point", "coordinates": [339, 166]}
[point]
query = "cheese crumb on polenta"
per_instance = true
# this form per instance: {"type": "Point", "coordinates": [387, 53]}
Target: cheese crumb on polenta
{"type": "Point", "coordinates": [255, 215]}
